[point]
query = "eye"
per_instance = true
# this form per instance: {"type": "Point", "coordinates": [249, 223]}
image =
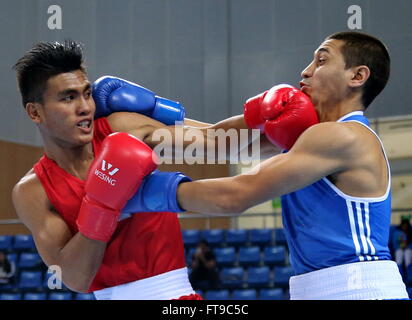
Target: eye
{"type": "Point", "coordinates": [88, 93]}
{"type": "Point", "coordinates": [321, 60]}
{"type": "Point", "coordinates": [68, 98]}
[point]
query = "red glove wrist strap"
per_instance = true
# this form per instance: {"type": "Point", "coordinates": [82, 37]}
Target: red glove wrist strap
{"type": "Point", "coordinates": [96, 222]}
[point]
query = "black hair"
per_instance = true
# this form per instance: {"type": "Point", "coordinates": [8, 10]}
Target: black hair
{"type": "Point", "coordinates": [45, 60]}
{"type": "Point", "coordinates": [363, 49]}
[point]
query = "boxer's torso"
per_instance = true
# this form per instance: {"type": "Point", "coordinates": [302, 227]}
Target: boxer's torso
{"type": "Point", "coordinates": [143, 245]}
{"type": "Point", "coordinates": [333, 222]}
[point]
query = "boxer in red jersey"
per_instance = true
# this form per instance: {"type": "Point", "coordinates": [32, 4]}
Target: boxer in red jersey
{"type": "Point", "coordinates": [143, 256]}
{"type": "Point", "coordinates": [57, 97]}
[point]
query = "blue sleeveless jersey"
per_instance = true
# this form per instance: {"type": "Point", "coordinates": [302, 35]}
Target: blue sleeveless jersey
{"type": "Point", "coordinates": [325, 227]}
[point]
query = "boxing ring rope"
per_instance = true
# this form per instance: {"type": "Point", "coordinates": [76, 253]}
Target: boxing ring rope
{"type": "Point", "coordinates": [235, 217]}
{"type": "Point", "coordinates": [277, 214]}
{"type": "Point", "coordinates": [10, 221]}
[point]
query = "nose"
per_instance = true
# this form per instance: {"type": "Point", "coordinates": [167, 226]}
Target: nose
{"type": "Point", "coordinates": [308, 71]}
{"type": "Point", "coordinates": [86, 106]}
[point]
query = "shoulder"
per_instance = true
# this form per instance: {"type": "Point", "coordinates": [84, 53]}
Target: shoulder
{"type": "Point", "coordinates": [329, 137]}
{"type": "Point", "coordinates": [331, 131]}
{"type": "Point", "coordinates": [27, 182]}
{"type": "Point", "coordinates": [28, 192]}
{"type": "Point", "coordinates": [28, 185]}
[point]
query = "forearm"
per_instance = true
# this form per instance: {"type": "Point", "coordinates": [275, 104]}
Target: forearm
{"type": "Point", "coordinates": [79, 260]}
{"type": "Point", "coordinates": [251, 145]}
{"type": "Point", "coordinates": [195, 141]}
{"type": "Point", "coordinates": [272, 178]}
{"type": "Point", "coordinates": [195, 123]}
{"type": "Point", "coordinates": [229, 139]}
{"type": "Point", "coordinates": [265, 149]}
{"type": "Point", "coordinates": [236, 122]}
{"type": "Point", "coordinates": [211, 196]}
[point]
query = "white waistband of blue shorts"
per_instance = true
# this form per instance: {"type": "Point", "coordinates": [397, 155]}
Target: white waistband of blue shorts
{"type": "Point", "coordinates": [164, 286]}
{"type": "Point", "coordinates": [368, 280]}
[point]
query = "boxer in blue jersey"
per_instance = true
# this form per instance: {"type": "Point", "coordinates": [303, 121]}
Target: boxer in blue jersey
{"type": "Point", "coordinates": [335, 181]}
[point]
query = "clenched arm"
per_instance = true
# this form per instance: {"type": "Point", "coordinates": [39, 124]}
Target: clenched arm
{"type": "Point", "coordinates": [204, 139]}
{"type": "Point", "coordinates": [78, 257]}
{"type": "Point", "coordinates": [320, 151]}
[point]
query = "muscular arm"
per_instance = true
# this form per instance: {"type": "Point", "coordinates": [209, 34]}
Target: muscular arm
{"type": "Point", "coordinates": [322, 150]}
{"type": "Point", "coordinates": [201, 136]}
{"type": "Point", "coordinates": [78, 257]}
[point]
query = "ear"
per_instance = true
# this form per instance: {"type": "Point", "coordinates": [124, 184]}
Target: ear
{"type": "Point", "coordinates": [359, 75]}
{"type": "Point", "coordinates": [33, 111]}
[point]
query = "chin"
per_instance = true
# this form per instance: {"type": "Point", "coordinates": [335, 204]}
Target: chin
{"type": "Point", "coordinates": [306, 90]}
{"type": "Point", "coordinates": [84, 140]}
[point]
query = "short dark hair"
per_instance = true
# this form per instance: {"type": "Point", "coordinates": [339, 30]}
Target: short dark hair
{"type": "Point", "coordinates": [363, 49]}
{"type": "Point", "coordinates": [45, 60]}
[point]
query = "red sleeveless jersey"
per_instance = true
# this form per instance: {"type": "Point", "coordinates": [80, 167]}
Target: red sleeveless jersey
{"type": "Point", "coordinates": [143, 245]}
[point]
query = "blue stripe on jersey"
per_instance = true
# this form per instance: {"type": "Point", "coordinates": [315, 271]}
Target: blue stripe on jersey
{"type": "Point", "coordinates": [325, 228]}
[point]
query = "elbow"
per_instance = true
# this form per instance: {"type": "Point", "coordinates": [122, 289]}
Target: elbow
{"type": "Point", "coordinates": [240, 207]}
{"type": "Point", "coordinates": [77, 286]}
{"type": "Point", "coordinates": [233, 203]}
{"type": "Point", "coordinates": [236, 197]}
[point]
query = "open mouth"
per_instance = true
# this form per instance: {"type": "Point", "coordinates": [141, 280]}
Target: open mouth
{"type": "Point", "coordinates": [85, 124]}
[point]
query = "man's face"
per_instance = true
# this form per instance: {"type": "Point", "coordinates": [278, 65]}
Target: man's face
{"type": "Point", "coordinates": [68, 108]}
{"type": "Point", "coordinates": [325, 79]}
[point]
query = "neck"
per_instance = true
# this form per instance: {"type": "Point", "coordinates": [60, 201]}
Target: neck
{"type": "Point", "coordinates": [73, 159]}
{"type": "Point", "coordinates": [333, 111]}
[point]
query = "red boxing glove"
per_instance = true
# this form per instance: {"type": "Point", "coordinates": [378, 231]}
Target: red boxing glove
{"type": "Point", "coordinates": [252, 114]}
{"type": "Point", "coordinates": [113, 179]}
{"type": "Point", "coordinates": [282, 113]}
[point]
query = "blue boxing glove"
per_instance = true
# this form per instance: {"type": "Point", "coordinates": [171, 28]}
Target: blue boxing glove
{"type": "Point", "coordinates": [113, 94]}
{"type": "Point", "coordinates": [157, 193]}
